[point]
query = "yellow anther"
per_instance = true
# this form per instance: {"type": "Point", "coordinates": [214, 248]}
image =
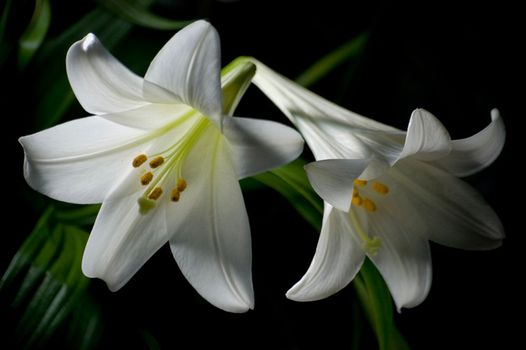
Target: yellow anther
{"type": "Point", "coordinates": [359, 182]}
{"type": "Point", "coordinates": [175, 195]}
{"type": "Point", "coordinates": [369, 205]}
{"type": "Point", "coordinates": [146, 178]}
{"type": "Point", "coordinates": [157, 161]}
{"type": "Point", "coordinates": [380, 188]}
{"type": "Point", "coordinates": [139, 160]}
{"type": "Point", "coordinates": [357, 200]}
{"type": "Point", "coordinates": [156, 193]}
{"type": "Point", "coordinates": [181, 185]}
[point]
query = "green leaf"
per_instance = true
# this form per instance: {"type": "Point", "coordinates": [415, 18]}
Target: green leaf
{"type": "Point", "coordinates": [86, 325]}
{"type": "Point", "coordinates": [348, 51]}
{"type": "Point", "coordinates": [377, 304]}
{"type": "Point", "coordinates": [35, 33]}
{"type": "Point", "coordinates": [43, 282]}
{"type": "Point", "coordinates": [5, 44]}
{"type": "Point", "coordinates": [78, 215]}
{"type": "Point", "coordinates": [54, 95]}
{"type": "Point", "coordinates": [149, 340]}
{"type": "Point", "coordinates": [132, 12]}
{"type": "Point", "coordinates": [291, 181]}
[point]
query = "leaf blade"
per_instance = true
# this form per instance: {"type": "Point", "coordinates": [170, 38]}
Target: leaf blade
{"type": "Point", "coordinates": [132, 12]}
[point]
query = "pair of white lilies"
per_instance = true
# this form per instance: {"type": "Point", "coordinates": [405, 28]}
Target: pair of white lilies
{"type": "Point", "coordinates": [163, 155]}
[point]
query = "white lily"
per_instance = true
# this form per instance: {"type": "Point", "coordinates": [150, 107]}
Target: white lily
{"type": "Point", "coordinates": [386, 192]}
{"type": "Point", "coordinates": [164, 157]}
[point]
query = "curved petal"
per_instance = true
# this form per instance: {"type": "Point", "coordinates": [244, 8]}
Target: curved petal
{"type": "Point", "coordinates": [260, 145]}
{"type": "Point", "coordinates": [454, 213]}
{"type": "Point", "coordinates": [404, 257]}
{"type": "Point", "coordinates": [213, 245]}
{"type": "Point", "coordinates": [235, 80]}
{"type": "Point", "coordinates": [427, 138]}
{"type": "Point", "coordinates": [100, 82]}
{"type": "Point", "coordinates": [188, 66]}
{"type": "Point", "coordinates": [474, 153]}
{"type": "Point", "coordinates": [79, 161]}
{"type": "Point", "coordinates": [151, 116]}
{"type": "Point", "coordinates": [330, 131]}
{"type": "Point", "coordinates": [332, 179]}
{"type": "Point", "coordinates": [337, 260]}
{"type": "Point", "coordinates": [122, 240]}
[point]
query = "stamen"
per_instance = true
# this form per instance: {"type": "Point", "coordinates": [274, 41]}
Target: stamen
{"type": "Point", "coordinates": [175, 195]}
{"type": "Point", "coordinates": [146, 178]}
{"type": "Point", "coordinates": [369, 244]}
{"type": "Point", "coordinates": [369, 205]}
{"type": "Point", "coordinates": [157, 161]}
{"type": "Point", "coordinates": [181, 184]}
{"type": "Point", "coordinates": [139, 160]}
{"type": "Point", "coordinates": [156, 193]}
{"type": "Point", "coordinates": [357, 200]}
{"type": "Point", "coordinates": [360, 183]}
{"type": "Point", "coordinates": [380, 188]}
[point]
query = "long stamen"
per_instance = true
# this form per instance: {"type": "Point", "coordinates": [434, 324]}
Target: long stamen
{"type": "Point", "coordinates": [370, 245]}
{"type": "Point", "coordinates": [165, 163]}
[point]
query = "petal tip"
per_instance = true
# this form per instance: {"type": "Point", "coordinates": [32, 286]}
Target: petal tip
{"type": "Point", "coordinates": [495, 114]}
{"type": "Point", "coordinates": [237, 308]}
{"type": "Point", "coordinates": [88, 41]}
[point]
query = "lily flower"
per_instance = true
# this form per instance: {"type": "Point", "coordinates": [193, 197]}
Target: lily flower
{"type": "Point", "coordinates": [387, 192]}
{"type": "Point", "coordinates": [163, 155]}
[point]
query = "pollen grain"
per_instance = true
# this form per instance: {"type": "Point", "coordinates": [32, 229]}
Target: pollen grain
{"type": "Point", "coordinates": [146, 178]}
{"type": "Point", "coordinates": [380, 188]}
{"type": "Point", "coordinates": [156, 162]}
{"type": "Point", "coordinates": [139, 160]}
{"type": "Point", "coordinates": [156, 193]}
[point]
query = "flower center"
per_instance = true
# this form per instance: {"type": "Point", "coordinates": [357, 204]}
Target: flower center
{"type": "Point", "coordinates": [159, 166]}
{"type": "Point", "coordinates": [369, 244]}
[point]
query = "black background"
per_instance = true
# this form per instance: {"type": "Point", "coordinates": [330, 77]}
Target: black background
{"type": "Point", "coordinates": [458, 60]}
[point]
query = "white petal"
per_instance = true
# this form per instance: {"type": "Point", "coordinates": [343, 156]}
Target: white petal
{"type": "Point", "coordinates": [404, 257]}
{"type": "Point", "coordinates": [454, 213]}
{"type": "Point", "coordinates": [330, 131]}
{"type": "Point", "coordinates": [474, 153]}
{"type": "Point", "coordinates": [337, 260]}
{"type": "Point", "coordinates": [260, 145]}
{"type": "Point", "coordinates": [80, 161]}
{"type": "Point", "coordinates": [332, 179]}
{"type": "Point", "coordinates": [151, 116]}
{"type": "Point", "coordinates": [213, 245]}
{"type": "Point", "coordinates": [188, 66]}
{"type": "Point", "coordinates": [122, 239]}
{"type": "Point", "coordinates": [427, 138]}
{"type": "Point", "coordinates": [100, 82]}
{"type": "Point", "coordinates": [235, 80]}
